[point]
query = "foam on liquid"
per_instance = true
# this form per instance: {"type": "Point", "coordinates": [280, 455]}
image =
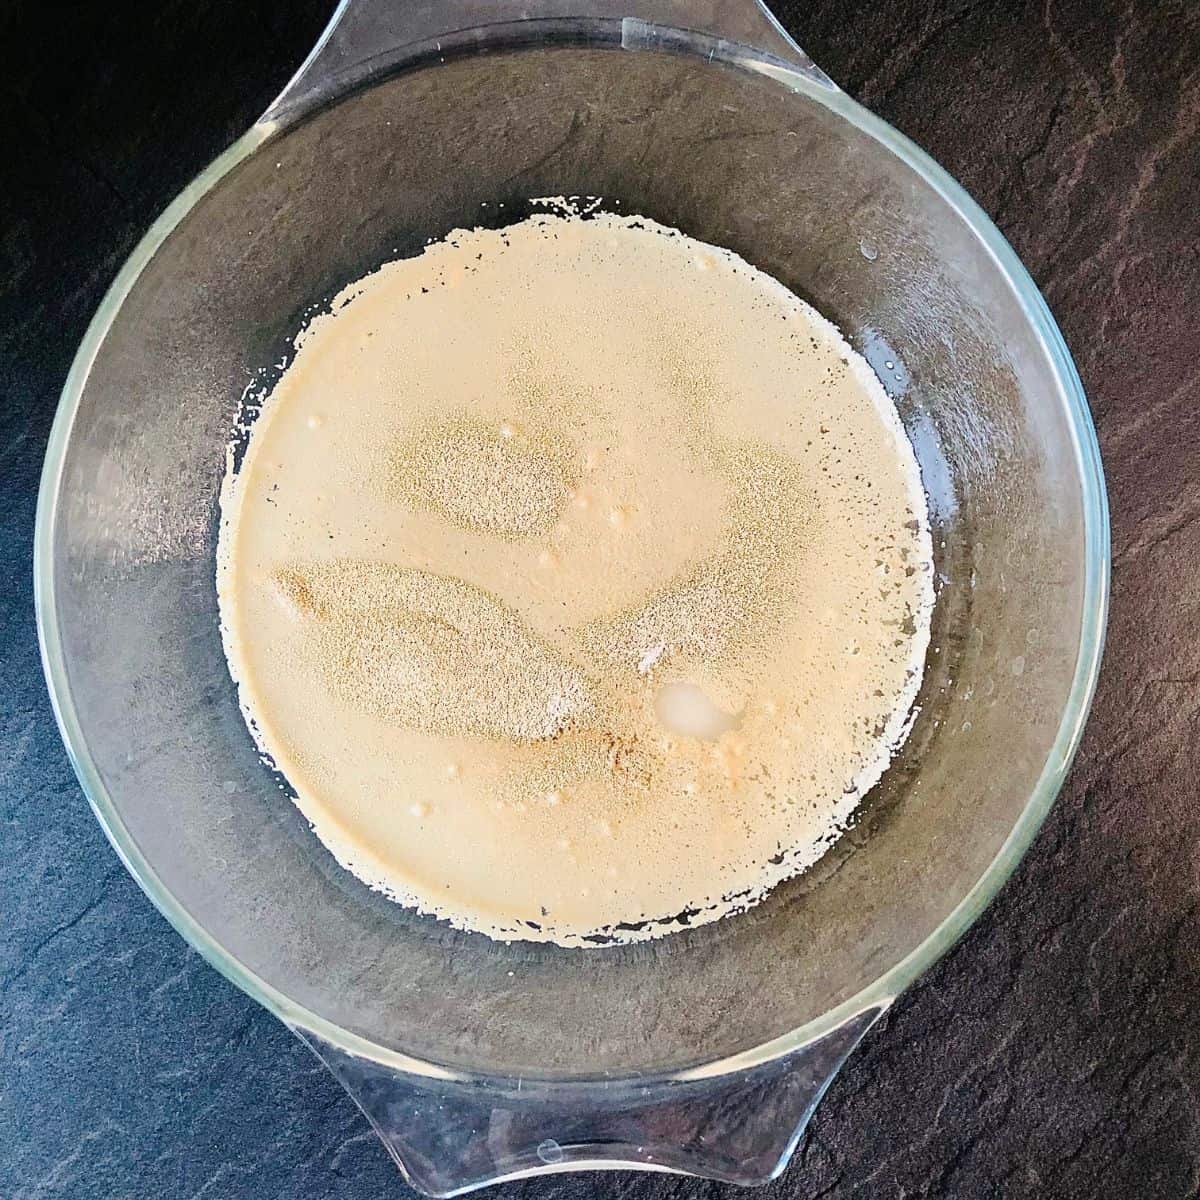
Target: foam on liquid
{"type": "Point", "coordinates": [577, 576]}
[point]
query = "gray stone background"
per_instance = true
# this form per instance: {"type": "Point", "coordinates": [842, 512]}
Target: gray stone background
{"type": "Point", "coordinates": [1056, 1051]}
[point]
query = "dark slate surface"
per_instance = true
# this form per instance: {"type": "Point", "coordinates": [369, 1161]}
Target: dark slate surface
{"type": "Point", "coordinates": [1056, 1051]}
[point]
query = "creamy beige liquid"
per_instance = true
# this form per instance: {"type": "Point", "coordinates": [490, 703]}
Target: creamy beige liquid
{"type": "Point", "coordinates": [577, 577]}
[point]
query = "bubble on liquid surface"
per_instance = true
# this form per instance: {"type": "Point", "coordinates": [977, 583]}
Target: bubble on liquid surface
{"type": "Point", "coordinates": [685, 708]}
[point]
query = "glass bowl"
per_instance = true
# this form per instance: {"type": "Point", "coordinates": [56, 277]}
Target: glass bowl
{"type": "Point", "coordinates": [705, 1051]}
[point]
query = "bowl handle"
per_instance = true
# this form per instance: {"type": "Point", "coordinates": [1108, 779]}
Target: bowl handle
{"type": "Point", "coordinates": [450, 1135]}
{"type": "Point", "coordinates": [369, 37]}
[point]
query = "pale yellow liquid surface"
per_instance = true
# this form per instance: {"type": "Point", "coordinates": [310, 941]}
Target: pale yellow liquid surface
{"type": "Point", "coordinates": [577, 576]}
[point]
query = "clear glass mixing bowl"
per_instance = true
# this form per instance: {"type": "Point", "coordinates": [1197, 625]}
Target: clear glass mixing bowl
{"type": "Point", "coordinates": [706, 1051]}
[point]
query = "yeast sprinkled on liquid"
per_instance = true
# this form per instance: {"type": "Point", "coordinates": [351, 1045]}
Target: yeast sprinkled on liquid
{"type": "Point", "coordinates": [577, 576]}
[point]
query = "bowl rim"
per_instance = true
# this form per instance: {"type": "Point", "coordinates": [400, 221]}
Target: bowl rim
{"type": "Point", "coordinates": [877, 995]}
